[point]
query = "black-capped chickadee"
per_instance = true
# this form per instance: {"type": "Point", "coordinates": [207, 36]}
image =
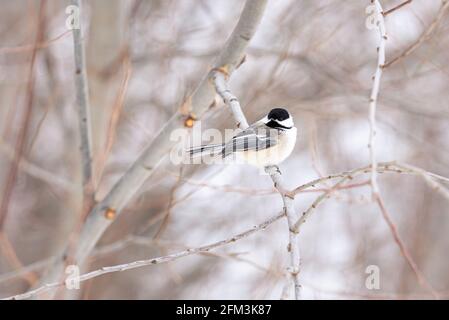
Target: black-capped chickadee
{"type": "Point", "coordinates": [267, 142]}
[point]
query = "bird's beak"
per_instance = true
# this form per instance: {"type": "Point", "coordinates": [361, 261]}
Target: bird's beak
{"type": "Point", "coordinates": [263, 120]}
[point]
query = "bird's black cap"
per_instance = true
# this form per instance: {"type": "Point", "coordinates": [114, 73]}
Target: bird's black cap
{"type": "Point", "coordinates": [279, 114]}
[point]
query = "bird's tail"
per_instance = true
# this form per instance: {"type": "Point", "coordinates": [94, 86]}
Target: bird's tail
{"type": "Point", "coordinates": [212, 149]}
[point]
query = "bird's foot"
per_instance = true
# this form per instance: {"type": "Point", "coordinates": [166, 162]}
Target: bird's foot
{"type": "Point", "coordinates": [273, 169]}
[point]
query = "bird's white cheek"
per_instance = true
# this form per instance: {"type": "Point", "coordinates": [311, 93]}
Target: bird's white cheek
{"type": "Point", "coordinates": [287, 122]}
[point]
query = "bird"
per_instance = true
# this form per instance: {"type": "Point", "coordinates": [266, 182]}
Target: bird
{"type": "Point", "coordinates": [267, 142]}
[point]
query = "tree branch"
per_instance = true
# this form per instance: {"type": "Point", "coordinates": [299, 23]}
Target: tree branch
{"type": "Point", "coordinates": [221, 86]}
{"type": "Point", "coordinates": [150, 262]}
{"type": "Point", "coordinates": [25, 124]}
{"type": "Point", "coordinates": [391, 167]}
{"type": "Point", "coordinates": [293, 245]}
{"type": "Point", "coordinates": [82, 100]}
{"type": "Point", "coordinates": [102, 215]}
{"type": "Point", "coordinates": [375, 93]}
{"type": "Point", "coordinates": [423, 37]}
{"type": "Point", "coordinates": [376, 196]}
{"type": "Point", "coordinates": [385, 13]}
{"type": "Point", "coordinates": [403, 249]}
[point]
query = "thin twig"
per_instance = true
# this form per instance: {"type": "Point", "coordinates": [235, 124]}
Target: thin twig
{"type": "Point", "coordinates": [385, 13]}
{"type": "Point", "coordinates": [429, 177]}
{"type": "Point", "coordinates": [115, 116]}
{"type": "Point", "coordinates": [404, 251]}
{"type": "Point", "coordinates": [12, 258]}
{"type": "Point", "coordinates": [153, 261]}
{"type": "Point", "coordinates": [19, 150]}
{"type": "Point", "coordinates": [30, 47]}
{"type": "Point", "coordinates": [391, 167]}
{"type": "Point", "coordinates": [423, 37]}
{"type": "Point", "coordinates": [387, 167]}
{"type": "Point", "coordinates": [37, 172]}
{"type": "Point", "coordinates": [372, 117]}
{"type": "Point", "coordinates": [24, 126]}
{"type": "Point", "coordinates": [305, 215]}
{"type": "Point", "coordinates": [170, 205]}
{"type": "Point", "coordinates": [32, 267]}
{"type": "Point", "coordinates": [257, 192]}
{"type": "Point", "coordinates": [381, 167]}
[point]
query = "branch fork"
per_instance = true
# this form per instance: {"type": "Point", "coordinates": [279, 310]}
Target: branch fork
{"type": "Point", "coordinates": [221, 87]}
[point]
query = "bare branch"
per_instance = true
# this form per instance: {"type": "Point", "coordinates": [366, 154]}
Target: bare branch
{"type": "Point", "coordinates": [391, 167]}
{"type": "Point", "coordinates": [102, 215]}
{"type": "Point", "coordinates": [219, 79]}
{"type": "Point", "coordinates": [30, 47]}
{"type": "Point", "coordinates": [37, 172]}
{"type": "Point", "coordinates": [115, 115]}
{"type": "Point", "coordinates": [372, 117]}
{"type": "Point", "coordinates": [430, 178]}
{"type": "Point", "coordinates": [305, 215]}
{"type": "Point", "coordinates": [404, 251]}
{"type": "Point", "coordinates": [423, 37]}
{"type": "Point", "coordinates": [221, 86]}
{"type": "Point", "coordinates": [385, 13]}
{"type": "Point", "coordinates": [82, 100]}
{"type": "Point", "coordinates": [24, 126]}
{"type": "Point", "coordinates": [153, 94]}
{"type": "Point", "coordinates": [292, 217]}
{"type": "Point", "coordinates": [153, 261]}
{"type": "Point", "coordinates": [375, 93]}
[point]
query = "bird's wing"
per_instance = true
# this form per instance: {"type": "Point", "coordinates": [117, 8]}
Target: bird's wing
{"type": "Point", "coordinates": [213, 148]}
{"type": "Point", "coordinates": [252, 138]}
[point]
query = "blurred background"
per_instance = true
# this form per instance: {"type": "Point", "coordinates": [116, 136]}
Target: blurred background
{"type": "Point", "coordinates": [316, 58]}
